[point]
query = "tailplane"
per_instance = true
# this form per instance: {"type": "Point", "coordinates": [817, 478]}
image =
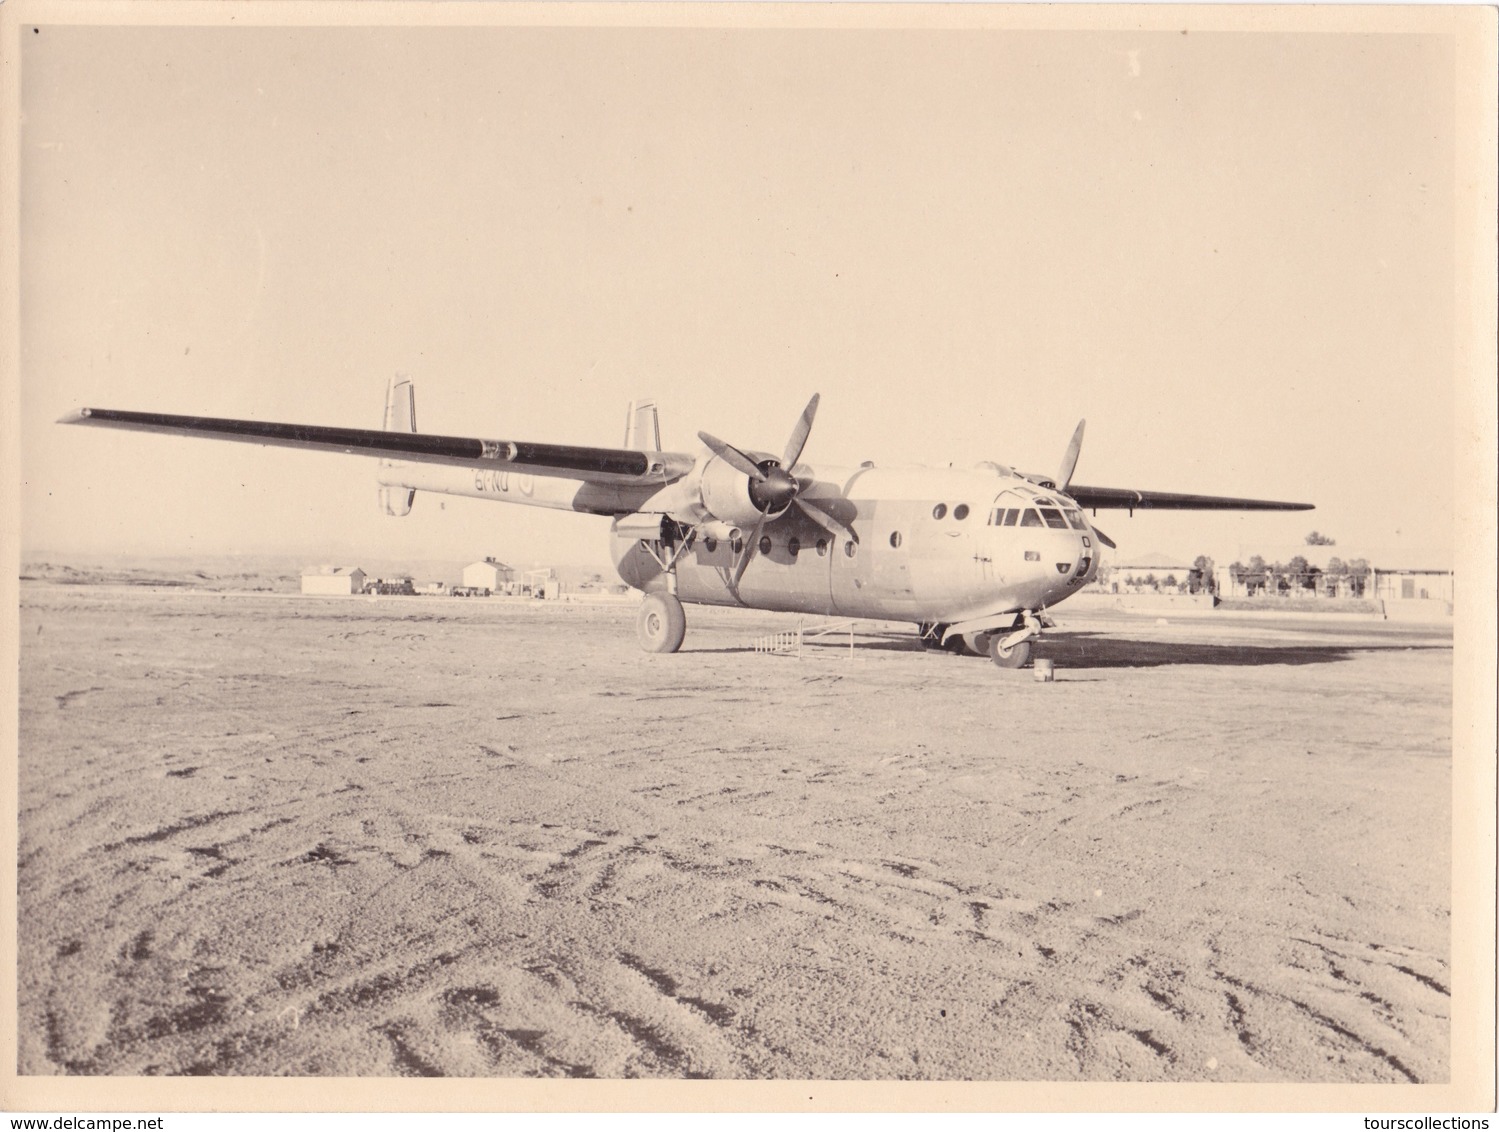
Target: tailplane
{"type": "Point", "coordinates": [400, 416]}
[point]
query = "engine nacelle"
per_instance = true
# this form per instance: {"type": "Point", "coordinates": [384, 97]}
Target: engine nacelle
{"type": "Point", "coordinates": [725, 492]}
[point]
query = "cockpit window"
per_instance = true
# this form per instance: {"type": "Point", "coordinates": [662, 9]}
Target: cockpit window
{"type": "Point", "coordinates": [1053, 518]}
{"type": "Point", "coordinates": [1012, 516]}
{"type": "Point", "coordinates": [1029, 518]}
{"type": "Point", "coordinates": [1076, 519]}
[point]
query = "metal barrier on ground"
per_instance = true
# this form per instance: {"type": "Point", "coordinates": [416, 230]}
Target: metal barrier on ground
{"type": "Point", "coordinates": [791, 642]}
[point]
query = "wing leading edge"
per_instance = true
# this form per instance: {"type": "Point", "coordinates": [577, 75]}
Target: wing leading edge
{"type": "Point", "coordinates": [1124, 498]}
{"type": "Point", "coordinates": [597, 465]}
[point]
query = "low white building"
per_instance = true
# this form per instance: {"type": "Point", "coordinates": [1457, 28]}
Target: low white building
{"type": "Point", "coordinates": [491, 575]}
{"type": "Point", "coordinates": [333, 580]}
{"type": "Point", "coordinates": [1147, 573]}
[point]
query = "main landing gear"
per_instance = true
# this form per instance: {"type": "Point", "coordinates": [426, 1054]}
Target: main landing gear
{"type": "Point", "coordinates": [662, 623]}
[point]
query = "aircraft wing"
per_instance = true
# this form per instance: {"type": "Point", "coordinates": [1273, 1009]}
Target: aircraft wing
{"type": "Point", "coordinates": [1121, 498]}
{"type": "Point", "coordinates": [595, 465]}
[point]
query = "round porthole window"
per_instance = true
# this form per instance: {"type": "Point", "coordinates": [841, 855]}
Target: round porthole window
{"type": "Point", "coordinates": [710, 544]}
{"type": "Point", "coordinates": [960, 512]}
{"type": "Point", "coordinates": [850, 549]}
{"type": "Point", "coordinates": [939, 511]}
{"type": "Point", "coordinates": [822, 547]}
{"type": "Point", "coordinates": [765, 544]}
{"type": "Point", "coordinates": [894, 538]}
{"type": "Point", "coordinates": [794, 547]}
{"type": "Point", "coordinates": [736, 545]}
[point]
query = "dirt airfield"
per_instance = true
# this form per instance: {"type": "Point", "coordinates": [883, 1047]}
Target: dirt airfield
{"type": "Point", "coordinates": [282, 835]}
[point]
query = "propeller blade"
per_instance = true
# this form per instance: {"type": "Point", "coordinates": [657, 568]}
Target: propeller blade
{"type": "Point", "coordinates": [731, 456]}
{"type": "Point", "coordinates": [1069, 459]}
{"type": "Point", "coordinates": [1103, 538]}
{"type": "Point", "coordinates": [811, 509]}
{"type": "Point", "coordinates": [799, 434]}
{"type": "Point", "coordinates": [751, 546]}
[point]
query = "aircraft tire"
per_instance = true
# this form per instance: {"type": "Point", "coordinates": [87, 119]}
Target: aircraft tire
{"type": "Point", "coordinates": [662, 623]}
{"type": "Point", "coordinates": [1017, 656]}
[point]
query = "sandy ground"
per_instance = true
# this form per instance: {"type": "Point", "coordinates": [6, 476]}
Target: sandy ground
{"type": "Point", "coordinates": [265, 835]}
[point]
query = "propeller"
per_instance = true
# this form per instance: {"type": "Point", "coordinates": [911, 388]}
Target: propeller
{"type": "Point", "coordinates": [1069, 458]}
{"type": "Point", "coordinates": [772, 487]}
{"type": "Point", "coordinates": [1069, 465]}
{"type": "Point", "coordinates": [817, 511]}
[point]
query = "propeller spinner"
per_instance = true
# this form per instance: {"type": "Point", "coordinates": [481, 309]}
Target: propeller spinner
{"type": "Point", "coordinates": [772, 487]}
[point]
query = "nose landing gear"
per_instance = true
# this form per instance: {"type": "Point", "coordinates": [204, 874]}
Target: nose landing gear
{"type": "Point", "coordinates": [1006, 639]}
{"type": "Point", "coordinates": [1013, 650]}
{"type": "Point", "coordinates": [1009, 656]}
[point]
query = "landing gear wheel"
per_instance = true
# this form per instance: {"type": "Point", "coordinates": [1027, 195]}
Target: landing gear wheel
{"type": "Point", "coordinates": [1017, 656]}
{"type": "Point", "coordinates": [662, 623]}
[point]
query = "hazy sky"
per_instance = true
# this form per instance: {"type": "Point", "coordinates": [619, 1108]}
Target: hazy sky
{"type": "Point", "coordinates": [1232, 252]}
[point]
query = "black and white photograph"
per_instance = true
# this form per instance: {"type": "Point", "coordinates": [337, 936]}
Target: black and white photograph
{"type": "Point", "coordinates": [852, 544]}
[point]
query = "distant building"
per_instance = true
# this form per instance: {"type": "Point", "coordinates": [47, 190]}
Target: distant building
{"type": "Point", "coordinates": [333, 580]}
{"type": "Point", "coordinates": [1413, 585]}
{"type": "Point", "coordinates": [543, 583]}
{"type": "Point", "coordinates": [491, 574]}
{"type": "Point", "coordinates": [1128, 575]}
{"type": "Point", "coordinates": [1393, 576]}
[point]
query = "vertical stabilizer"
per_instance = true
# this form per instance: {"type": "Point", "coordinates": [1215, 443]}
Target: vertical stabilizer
{"type": "Point", "coordinates": [642, 428]}
{"type": "Point", "coordinates": [400, 406]}
{"type": "Point", "coordinates": [400, 416]}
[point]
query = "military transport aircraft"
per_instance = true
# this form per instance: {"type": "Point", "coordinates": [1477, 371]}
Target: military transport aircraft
{"type": "Point", "coordinates": [974, 557]}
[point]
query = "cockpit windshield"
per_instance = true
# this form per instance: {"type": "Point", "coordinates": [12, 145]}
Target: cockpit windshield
{"type": "Point", "coordinates": [1011, 510]}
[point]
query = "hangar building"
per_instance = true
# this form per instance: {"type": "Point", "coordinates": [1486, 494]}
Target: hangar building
{"type": "Point", "coordinates": [333, 580]}
{"type": "Point", "coordinates": [491, 575]}
{"type": "Point", "coordinates": [1407, 583]}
